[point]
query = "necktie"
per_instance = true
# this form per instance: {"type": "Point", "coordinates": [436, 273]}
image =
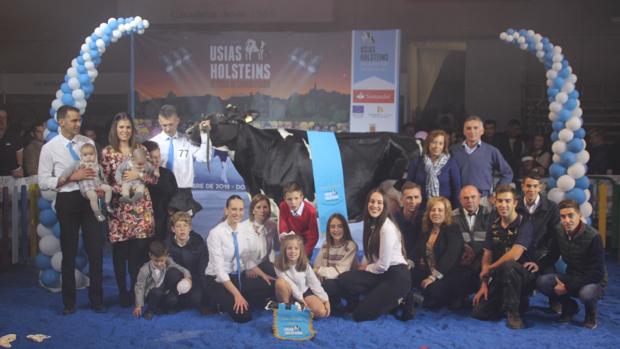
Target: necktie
{"type": "Point", "coordinates": [237, 258]}
{"type": "Point", "coordinates": [72, 151]}
{"type": "Point", "coordinates": [170, 161]}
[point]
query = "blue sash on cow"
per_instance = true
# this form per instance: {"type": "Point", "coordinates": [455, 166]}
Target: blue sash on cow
{"type": "Point", "coordinates": [328, 176]}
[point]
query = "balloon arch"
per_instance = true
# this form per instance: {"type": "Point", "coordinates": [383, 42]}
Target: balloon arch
{"type": "Point", "coordinates": [568, 178]}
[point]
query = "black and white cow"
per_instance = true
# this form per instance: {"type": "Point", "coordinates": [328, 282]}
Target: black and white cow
{"type": "Point", "coordinates": [269, 158]}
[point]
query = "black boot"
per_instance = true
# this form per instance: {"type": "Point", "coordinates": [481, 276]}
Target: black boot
{"type": "Point", "coordinates": [590, 320]}
{"type": "Point", "coordinates": [569, 308]}
{"type": "Point", "coordinates": [513, 320]}
{"type": "Point", "coordinates": [408, 307]}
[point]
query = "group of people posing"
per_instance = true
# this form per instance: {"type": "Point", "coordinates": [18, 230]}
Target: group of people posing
{"type": "Point", "coordinates": [452, 236]}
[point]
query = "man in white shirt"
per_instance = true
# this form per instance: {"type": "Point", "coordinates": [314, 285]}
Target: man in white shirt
{"type": "Point", "coordinates": [72, 208]}
{"type": "Point", "coordinates": [177, 155]}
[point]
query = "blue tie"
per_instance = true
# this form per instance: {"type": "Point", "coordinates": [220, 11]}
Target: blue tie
{"type": "Point", "coordinates": [170, 161]}
{"type": "Point", "coordinates": [72, 151]}
{"type": "Point", "coordinates": [236, 243]}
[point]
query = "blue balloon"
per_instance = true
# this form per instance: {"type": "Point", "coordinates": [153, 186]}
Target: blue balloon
{"type": "Point", "coordinates": [564, 115]}
{"type": "Point", "coordinates": [558, 125]}
{"type": "Point", "coordinates": [92, 45]}
{"type": "Point", "coordinates": [554, 136]}
{"type": "Point", "coordinates": [48, 218]}
{"type": "Point", "coordinates": [107, 30]}
{"type": "Point", "coordinates": [574, 94]}
{"type": "Point", "coordinates": [80, 261]}
{"type": "Point", "coordinates": [83, 78]}
{"type": "Point", "coordinates": [112, 23]}
{"type": "Point", "coordinates": [50, 135]}
{"type": "Point", "coordinates": [545, 40]}
{"type": "Point", "coordinates": [106, 39]}
{"type": "Point", "coordinates": [570, 104]}
{"type": "Point", "coordinates": [551, 183]}
{"type": "Point", "coordinates": [549, 56]}
{"type": "Point", "coordinates": [575, 145]}
{"type": "Point", "coordinates": [564, 64]}
{"type": "Point", "coordinates": [580, 133]}
{"type": "Point", "coordinates": [567, 158]}
{"type": "Point", "coordinates": [564, 73]}
{"type": "Point", "coordinates": [94, 37]}
{"type": "Point", "coordinates": [576, 194]}
{"type": "Point", "coordinates": [523, 32]}
{"type": "Point", "coordinates": [52, 112]}
{"type": "Point", "coordinates": [42, 261]}
{"type": "Point", "coordinates": [552, 91]}
{"type": "Point", "coordinates": [97, 60]}
{"type": "Point", "coordinates": [44, 204]}
{"type": "Point", "coordinates": [558, 82]}
{"type": "Point", "coordinates": [120, 20]}
{"type": "Point", "coordinates": [557, 170]}
{"type": "Point", "coordinates": [80, 60]}
{"type": "Point", "coordinates": [56, 230]}
{"type": "Point", "coordinates": [589, 221]}
{"type": "Point", "coordinates": [67, 78]}
{"type": "Point", "coordinates": [50, 278]}
{"type": "Point", "coordinates": [67, 99]}
{"type": "Point", "coordinates": [510, 31]}
{"type": "Point", "coordinates": [81, 69]}
{"type": "Point", "coordinates": [65, 88]}
{"type": "Point", "coordinates": [93, 54]}
{"type": "Point", "coordinates": [582, 183]}
{"type": "Point", "coordinates": [52, 125]}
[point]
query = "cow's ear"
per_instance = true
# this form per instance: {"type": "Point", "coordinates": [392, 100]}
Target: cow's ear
{"type": "Point", "coordinates": [250, 116]}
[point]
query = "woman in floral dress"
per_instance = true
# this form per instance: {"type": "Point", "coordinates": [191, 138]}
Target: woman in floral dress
{"type": "Point", "coordinates": [131, 225]}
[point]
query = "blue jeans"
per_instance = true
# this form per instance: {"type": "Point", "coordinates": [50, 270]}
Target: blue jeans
{"type": "Point", "coordinates": [588, 294]}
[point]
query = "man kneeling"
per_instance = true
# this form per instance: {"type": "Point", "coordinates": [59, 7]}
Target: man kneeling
{"type": "Point", "coordinates": [581, 248]}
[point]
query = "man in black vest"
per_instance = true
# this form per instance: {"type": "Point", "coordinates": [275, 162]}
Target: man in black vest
{"type": "Point", "coordinates": [506, 277]}
{"type": "Point", "coordinates": [409, 217]}
{"type": "Point", "coordinates": [473, 221]}
{"type": "Point", "coordinates": [544, 216]}
{"type": "Point", "coordinates": [581, 248]}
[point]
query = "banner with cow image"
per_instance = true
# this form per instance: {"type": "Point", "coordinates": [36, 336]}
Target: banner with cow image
{"type": "Point", "coordinates": [374, 80]}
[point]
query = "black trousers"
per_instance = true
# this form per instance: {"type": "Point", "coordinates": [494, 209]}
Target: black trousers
{"type": "Point", "coordinates": [74, 212]}
{"type": "Point", "coordinates": [165, 297]}
{"type": "Point", "coordinates": [509, 291]}
{"type": "Point", "coordinates": [440, 292]}
{"type": "Point", "coordinates": [333, 290]}
{"type": "Point", "coordinates": [129, 256]}
{"type": "Point", "coordinates": [381, 292]}
{"type": "Point", "coordinates": [255, 290]}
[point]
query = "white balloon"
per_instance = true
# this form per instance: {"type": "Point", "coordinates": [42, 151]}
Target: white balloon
{"type": "Point", "coordinates": [565, 183]}
{"type": "Point", "coordinates": [100, 43]}
{"type": "Point", "coordinates": [503, 35]}
{"type": "Point", "coordinates": [558, 147]}
{"type": "Point", "coordinates": [80, 104]}
{"type": "Point", "coordinates": [516, 35]}
{"type": "Point", "coordinates": [138, 19]}
{"type": "Point", "coordinates": [574, 123]}
{"type": "Point", "coordinates": [549, 83]}
{"type": "Point", "coordinates": [102, 26]}
{"type": "Point", "coordinates": [588, 194]}
{"type": "Point", "coordinates": [566, 135]}
{"type": "Point", "coordinates": [114, 39]}
{"type": "Point", "coordinates": [586, 209]}
{"type": "Point", "coordinates": [92, 74]}
{"type": "Point", "coordinates": [540, 54]}
{"type": "Point", "coordinates": [87, 57]}
{"type": "Point", "coordinates": [568, 87]}
{"type": "Point", "coordinates": [88, 40]}
{"type": "Point", "coordinates": [537, 37]}
{"type": "Point", "coordinates": [557, 58]}
{"type": "Point", "coordinates": [82, 111]}
{"type": "Point", "coordinates": [98, 32]}
{"type": "Point", "coordinates": [43, 230]}
{"type": "Point", "coordinates": [101, 49]}
{"type": "Point", "coordinates": [557, 66]}
{"type": "Point", "coordinates": [77, 94]}
{"type": "Point", "coordinates": [57, 261]}
{"type": "Point", "coordinates": [553, 116]}
{"type": "Point", "coordinates": [521, 40]}
{"type": "Point", "coordinates": [74, 83]}
{"type": "Point", "coordinates": [74, 63]}
{"type": "Point", "coordinates": [111, 19]}
{"type": "Point", "coordinates": [183, 286]}
{"type": "Point", "coordinates": [141, 31]}
{"type": "Point", "coordinates": [561, 97]}
{"type": "Point", "coordinates": [555, 158]}
{"type": "Point", "coordinates": [89, 65]}
{"type": "Point", "coordinates": [572, 78]}
{"type": "Point", "coordinates": [146, 24]}
{"type": "Point", "coordinates": [48, 195]}
{"type": "Point", "coordinates": [555, 107]}
{"type": "Point", "coordinates": [57, 103]}
{"type": "Point", "coordinates": [583, 157]}
{"type": "Point", "coordinates": [116, 34]}
{"type": "Point", "coordinates": [556, 195]}
{"type": "Point", "coordinates": [54, 206]}
{"type": "Point", "coordinates": [509, 38]}
{"type": "Point", "coordinates": [576, 170]}
{"type": "Point", "coordinates": [577, 112]}
{"type": "Point", "coordinates": [72, 72]}
{"type": "Point", "coordinates": [59, 94]}
{"type": "Point", "coordinates": [81, 280]}
{"type": "Point", "coordinates": [557, 49]}
{"type": "Point", "coordinates": [551, 74]}
{"type": "Point", "coordinates": [49, 245]}
{"type": "Point", "coordinates": [530, 32]}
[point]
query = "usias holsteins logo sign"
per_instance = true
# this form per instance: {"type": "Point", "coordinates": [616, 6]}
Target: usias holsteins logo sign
{"type": "Point", "coordinates": [239, 61]}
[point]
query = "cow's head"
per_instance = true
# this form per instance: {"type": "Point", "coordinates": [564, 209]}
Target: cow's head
{"type": "Point", "coordinates": [223, 128]}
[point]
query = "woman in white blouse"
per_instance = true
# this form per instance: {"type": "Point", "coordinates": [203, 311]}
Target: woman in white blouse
{"type": "Point", "coordinates": [227, 279]}
{"type": "Point", "coordinates": [261, 233]}
{"type": "Point", "coordinates": [383, 276]}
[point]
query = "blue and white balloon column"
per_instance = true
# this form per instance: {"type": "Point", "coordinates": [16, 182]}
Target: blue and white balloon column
{"type": "Point", "coordinates": [568, 178]}
{"type": "Point", "coordinates": [74, 91]}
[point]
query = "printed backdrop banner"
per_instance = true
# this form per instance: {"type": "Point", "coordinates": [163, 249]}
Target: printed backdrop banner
{"type": "Point", "coordinates": [375, 58]}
